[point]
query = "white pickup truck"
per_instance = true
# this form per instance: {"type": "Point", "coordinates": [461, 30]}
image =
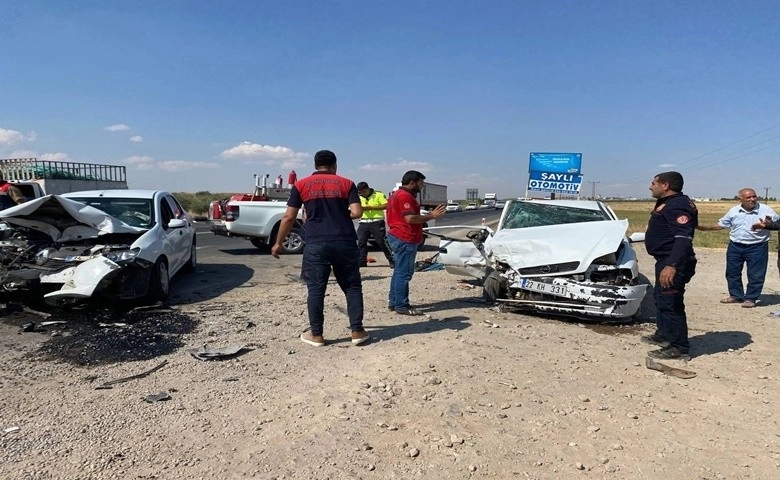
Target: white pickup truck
{"type": "Point", "coordinates": [259, 222]}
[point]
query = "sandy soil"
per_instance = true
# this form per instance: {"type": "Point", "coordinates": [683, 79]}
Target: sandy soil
{"type": "Point", "coordinates": [468, 392]}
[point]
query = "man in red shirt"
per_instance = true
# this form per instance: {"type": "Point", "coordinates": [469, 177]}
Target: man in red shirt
{"type": "Point", "coordinates": [330, 203]}
{"type": "Point", "coordinates": [405, 232]}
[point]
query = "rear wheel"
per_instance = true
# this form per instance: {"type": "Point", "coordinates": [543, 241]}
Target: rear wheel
{"type": "Point", "coordinates": [159, 281]}
{"type": "Point", "coordinates": [293, 242]}
{"type": "Point", "coordinates": [494, 287]}
{"type": "Point", "coordinates": [193, 261]}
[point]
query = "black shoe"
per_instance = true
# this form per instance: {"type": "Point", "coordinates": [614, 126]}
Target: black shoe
{"type": "Point", "coordinates": [409, 311]}
{"type": "Point", "coordinates": [654, 339]}
{"type": "Point", "coordinates": [668, 353]}
{"type": "Point", "coordinates": [391, 308]}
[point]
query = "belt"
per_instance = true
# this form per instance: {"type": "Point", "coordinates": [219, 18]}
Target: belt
{"type": "Point", "coordinates": [373, 220]}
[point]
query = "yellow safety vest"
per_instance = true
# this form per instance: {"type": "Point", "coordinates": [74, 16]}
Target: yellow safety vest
{"type": "Point", "coordinates": [376, 199]}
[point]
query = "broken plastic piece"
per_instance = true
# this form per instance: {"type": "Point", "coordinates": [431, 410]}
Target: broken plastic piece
{"type": "Point", "coordinates": [206, 353]}
{"type": "Point", "coordinates": [159, 397]}
{"type": "Point", "coordinates": [666, 369]}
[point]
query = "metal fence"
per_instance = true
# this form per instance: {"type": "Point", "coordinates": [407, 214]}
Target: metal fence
{"type": "Point", "coordinates": [33, 169]}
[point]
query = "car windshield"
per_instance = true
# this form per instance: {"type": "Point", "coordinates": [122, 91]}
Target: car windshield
{"type": "Point", "coordinates": [136, 212]}
{"type": "Point", "coordinates": [529, 214]}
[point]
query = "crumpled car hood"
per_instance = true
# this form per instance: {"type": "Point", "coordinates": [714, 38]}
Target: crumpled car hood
{"type": "Point", "coordinates": [556, 244]}
{"type": "Point", "coordinates": [64, 219]}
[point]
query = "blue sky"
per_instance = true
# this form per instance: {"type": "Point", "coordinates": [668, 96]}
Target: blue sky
{"type": "Point", "coordinates": [201, 95]}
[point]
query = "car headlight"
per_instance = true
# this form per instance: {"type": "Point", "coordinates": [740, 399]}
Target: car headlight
{"type": "Point", "coordinates": [123, 256]}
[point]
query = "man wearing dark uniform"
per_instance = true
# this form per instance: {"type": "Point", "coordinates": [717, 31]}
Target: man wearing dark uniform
{"type": "Point", "coordinates": [669, 239]}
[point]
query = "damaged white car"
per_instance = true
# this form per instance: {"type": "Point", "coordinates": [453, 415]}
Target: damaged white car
{"type": "Point", "coordinates": [108, 244]}
{"type": "Point", "coordinates": [566, 257]}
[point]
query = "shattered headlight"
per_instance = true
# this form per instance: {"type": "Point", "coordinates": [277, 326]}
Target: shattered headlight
{"type": "Point", "coordinates": [122, 256]}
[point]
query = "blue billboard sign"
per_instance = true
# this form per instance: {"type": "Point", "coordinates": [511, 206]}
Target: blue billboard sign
{"type": "Point", "coordinates": [555, 162]}
{"type": "Point", "coordinates": [568, 183]}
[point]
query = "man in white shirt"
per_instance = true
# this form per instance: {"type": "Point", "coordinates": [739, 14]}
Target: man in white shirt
{"type": "Point", "coordinates": [747, 246]}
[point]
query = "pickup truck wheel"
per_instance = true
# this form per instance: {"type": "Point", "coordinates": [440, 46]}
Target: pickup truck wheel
{"type": "Point", "coordinates": [159, 281]}
{"type": "Point", "coordinates": [293, 242]}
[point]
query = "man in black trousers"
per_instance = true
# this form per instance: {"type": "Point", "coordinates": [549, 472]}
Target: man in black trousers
{"type": "Point", "coordinates": [372, 223]}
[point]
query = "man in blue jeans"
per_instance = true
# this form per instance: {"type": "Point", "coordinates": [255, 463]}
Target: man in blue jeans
{"type": "Point", "coordinates": [746, 247]}
{"type": "Point", "coordinates": [330, 204]}
{"type": "Point", "coordinates": [405, 232]}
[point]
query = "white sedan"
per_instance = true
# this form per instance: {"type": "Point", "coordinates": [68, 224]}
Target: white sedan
{"type": "Point", "coordinates": [565, 257]}
{"type": "Point", "coordinates": [111, 244]}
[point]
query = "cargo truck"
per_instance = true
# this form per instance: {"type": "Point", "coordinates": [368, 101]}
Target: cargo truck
{"type": "Point", "coordinates": [36, 178]}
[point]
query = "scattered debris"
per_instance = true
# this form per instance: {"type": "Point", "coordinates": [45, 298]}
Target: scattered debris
{"type": "Point", "coordinates": [111, 383]}
{"type": "Point", "coordinates": [115, 324]}
{"type": "Point", "coordinates": [11, 429]}
{"type": "Point", "coordinates": [490, 324]}
{"type": "Point", "coordinates": [206, 353]}
{"type": "Point", "coordinates": [159, 397]}
{"type": "Point", "coordinates": [53, 322]}
{"type": "Point", "coordinates": [36, 312]}
{"type": "Point", "coordinates": [666, 369]}
{"type": "Point", "coordinates": [32, 327]}
{"type": "Point", "coordinates": [774, 314]}
{"type": "Point", "coordinates": [158, 307]}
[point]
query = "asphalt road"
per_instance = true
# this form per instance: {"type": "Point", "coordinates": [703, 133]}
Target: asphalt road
{"type": "Point", "coordinates": [227, 263]}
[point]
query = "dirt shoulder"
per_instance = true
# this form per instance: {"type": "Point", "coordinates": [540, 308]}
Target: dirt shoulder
{"type": "Point", "coordinates": [469, 392]}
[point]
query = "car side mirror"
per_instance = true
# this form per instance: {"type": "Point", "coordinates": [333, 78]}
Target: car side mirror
{"type": "Point", "coordinates": [637, 237]}
{"type": "Point", "coordinates": [177, 223]}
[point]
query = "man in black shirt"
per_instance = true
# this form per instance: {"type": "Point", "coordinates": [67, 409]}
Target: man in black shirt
{"type": "Point", "coordinates": [669, 239]}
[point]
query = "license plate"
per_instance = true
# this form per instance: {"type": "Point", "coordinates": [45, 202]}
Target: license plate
{"type": "Point", "coordinates": [541, 287]}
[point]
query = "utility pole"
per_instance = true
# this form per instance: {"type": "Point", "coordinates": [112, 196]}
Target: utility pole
{"type": "Point", "coordinates": [766, 194]}
{"type": "Point", "coordinates": [593, 190]}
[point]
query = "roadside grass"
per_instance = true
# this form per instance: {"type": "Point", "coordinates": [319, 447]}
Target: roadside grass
{"type": "Point", "coordinates": [638, 214]}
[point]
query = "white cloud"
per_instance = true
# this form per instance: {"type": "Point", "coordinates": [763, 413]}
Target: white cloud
{"type": "Point", "coordinates": [256, 151]}
{"type": "Point", "coordinates": [23, 154]}
{"type": "Point", "coordinates": [667, 165]}
{"type": "Point", "coordinates": [55, 157]}
{"type": "Point", "coordinates": [138, 160]}
{"type": "Point", "coordinates": [12, 137]}
{"type": "Point", "coordinates": [136, 139]}
{"type": "Point", "coordinates": [119, 127]}
{"type": "Point", "coordinates": [181, 165]}
{"type": "Point", "coordinates": [393, 167]}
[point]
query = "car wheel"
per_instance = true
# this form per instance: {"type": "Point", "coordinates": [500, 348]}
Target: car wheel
{"type": "Point", "coordinates": [293, 242]}
{"type": "Point", "coordinates": [193, 261]}
{"type": "Point", "coordinates": [159, 281]}
{"type": "Point", "coordinates": [494, 287]}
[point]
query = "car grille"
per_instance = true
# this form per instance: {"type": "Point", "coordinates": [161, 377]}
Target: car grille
{"type": "Point", "coordinates": [54, 264]}
{"type": "Point", "coordinates": [550, 269]}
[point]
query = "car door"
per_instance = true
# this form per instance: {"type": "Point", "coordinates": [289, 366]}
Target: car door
{"type": "Point", "coordinates": [183, 236]}
{"type": "Point", "coordinates": [461, 249]}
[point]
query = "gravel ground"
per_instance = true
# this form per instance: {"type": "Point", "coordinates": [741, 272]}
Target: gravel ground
{"type": "Point", "coordinates": [466, 392]}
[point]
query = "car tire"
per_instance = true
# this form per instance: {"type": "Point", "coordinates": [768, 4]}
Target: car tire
{"type": "Point", "coordinates": [192, 262]}
{"type": "Point", "coordinates": [159, 281]}
{"type": "Point", "coordinates": [494, 287]}
{"type": "Point", "coordinates": [293, 243]}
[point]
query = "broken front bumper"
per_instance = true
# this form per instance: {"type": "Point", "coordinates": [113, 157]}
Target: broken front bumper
{"type": "Point", "coordinates": [565, 297]}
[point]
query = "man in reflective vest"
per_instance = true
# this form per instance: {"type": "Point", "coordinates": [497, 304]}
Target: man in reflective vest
{"type": "Point", "coordinates": [10, 195]}
{"type": "Point", "coordinates": [372, 223]}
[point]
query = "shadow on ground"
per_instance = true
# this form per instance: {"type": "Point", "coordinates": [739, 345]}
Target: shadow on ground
{"type": "Point", "coordinates": [209, 281]}
{"type": "Point", "coordinates": [717, 342]}
{"type": "Point", "coordinates": [424, 326]}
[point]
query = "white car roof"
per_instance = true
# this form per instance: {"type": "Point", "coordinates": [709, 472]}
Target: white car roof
{"type": "Point", "coordinates": [117, 193]}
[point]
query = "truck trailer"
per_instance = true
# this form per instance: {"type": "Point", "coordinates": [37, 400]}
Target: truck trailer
{"type": "Point", "coordinates": [36, 178]}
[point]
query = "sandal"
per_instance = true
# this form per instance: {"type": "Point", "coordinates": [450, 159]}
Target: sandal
{"type": "Point", "coordinates": [731, 300]}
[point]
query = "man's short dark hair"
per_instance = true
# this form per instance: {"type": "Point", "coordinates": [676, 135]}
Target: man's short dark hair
{"type": "Point", "coordinates": [412, 176]}
{"type": "Point", "coordinates": [362, 186]}
{"type": "Point", "coordinates": [324, 158]}
{"type": "Point", "coordinates": [673, 179]}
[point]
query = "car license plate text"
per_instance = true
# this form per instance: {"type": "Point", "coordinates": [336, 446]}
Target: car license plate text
{"type": "Point", "coordinates": [543, 287]}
